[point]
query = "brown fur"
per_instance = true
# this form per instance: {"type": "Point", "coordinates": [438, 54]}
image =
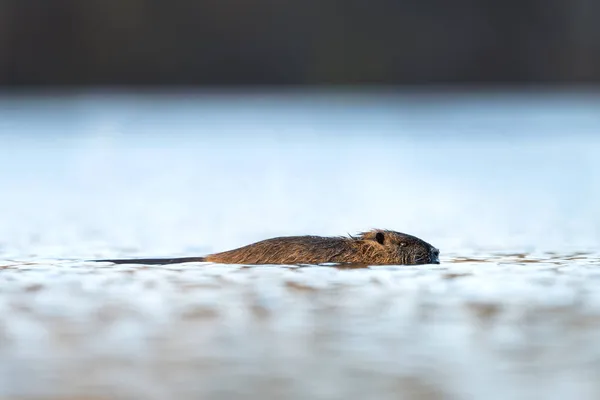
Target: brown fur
{"type": "Point", "coordinates": [375, 247]}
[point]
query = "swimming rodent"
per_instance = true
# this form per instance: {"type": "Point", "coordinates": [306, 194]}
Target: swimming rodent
{"type": "Point", "coordinates": [375, 247]}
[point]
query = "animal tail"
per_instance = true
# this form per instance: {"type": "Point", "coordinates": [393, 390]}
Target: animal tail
{"type": "Point", "coordinates": [154, 261]}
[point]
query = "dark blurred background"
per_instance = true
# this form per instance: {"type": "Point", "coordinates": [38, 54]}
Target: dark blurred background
{"type": "Point", "coordinates": [233, 42]}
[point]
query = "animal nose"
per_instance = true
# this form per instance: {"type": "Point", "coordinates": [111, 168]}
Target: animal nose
{"type": "Point", "coordinates": [435, 256]}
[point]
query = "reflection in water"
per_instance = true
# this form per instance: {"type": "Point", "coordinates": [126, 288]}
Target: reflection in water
{"type": "Point", "coordinates": [512, 311]}
{"type": "Point", "coordinates": [72, 328]}
{"type": "Point", "coordinates": [221, 330]}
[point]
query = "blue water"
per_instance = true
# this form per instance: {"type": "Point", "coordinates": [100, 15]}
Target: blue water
{"type": "Point", "coordinates": [479, 171]}
{"type": "Point", "coordinates": [505, 184]}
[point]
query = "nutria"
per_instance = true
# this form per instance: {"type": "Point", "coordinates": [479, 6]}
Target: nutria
{"type": "Point", "coordinates": [375, 247]}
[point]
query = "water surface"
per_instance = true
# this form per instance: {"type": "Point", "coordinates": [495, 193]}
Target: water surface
{"type": "Point", "coordinates": [506, 185]}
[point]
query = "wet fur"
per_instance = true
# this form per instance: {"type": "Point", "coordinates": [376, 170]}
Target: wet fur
{"type": "Point", "coordinates": [375, 247]}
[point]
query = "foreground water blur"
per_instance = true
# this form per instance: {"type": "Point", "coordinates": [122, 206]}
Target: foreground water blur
{"type": "Point", "coordinates": [506, 185]}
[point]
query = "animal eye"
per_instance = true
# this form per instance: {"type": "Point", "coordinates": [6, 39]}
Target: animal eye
{"type": "Point", "coordinates": [402, 244]}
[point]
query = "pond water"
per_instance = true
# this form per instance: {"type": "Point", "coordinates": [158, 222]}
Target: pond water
{"type": "Point", "coordinates": [506, 185]}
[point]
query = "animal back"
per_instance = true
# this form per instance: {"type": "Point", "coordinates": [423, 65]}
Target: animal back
{"type": "Point", "coordinates": [288, 250]}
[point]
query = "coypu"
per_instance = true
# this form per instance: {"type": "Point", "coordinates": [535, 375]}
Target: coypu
{"type": "Point", "coordinates": [375, 247]}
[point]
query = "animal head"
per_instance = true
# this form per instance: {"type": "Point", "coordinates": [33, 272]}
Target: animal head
{"type": "Point", "coordinates": [399, 248]}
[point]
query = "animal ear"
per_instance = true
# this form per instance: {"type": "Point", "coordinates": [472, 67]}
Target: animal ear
{"type": "Point", "coordinates": [380, 237]}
